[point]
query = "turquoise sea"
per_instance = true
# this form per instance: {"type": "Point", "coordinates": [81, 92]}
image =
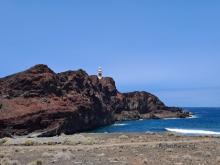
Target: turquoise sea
{"type": "Point", "coordinates": [204, 121]}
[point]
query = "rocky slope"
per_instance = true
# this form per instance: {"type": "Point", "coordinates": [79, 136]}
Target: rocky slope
{"type": "Point", "coordinates": [39, 100]}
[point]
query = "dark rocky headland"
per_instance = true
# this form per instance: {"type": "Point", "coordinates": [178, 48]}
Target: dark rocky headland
{"type": "Point", "coordinates": [40, 101]}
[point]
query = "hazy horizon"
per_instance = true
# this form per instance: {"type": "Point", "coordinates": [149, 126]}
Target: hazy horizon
{"type": "Point", "coordinates": [169, 48]}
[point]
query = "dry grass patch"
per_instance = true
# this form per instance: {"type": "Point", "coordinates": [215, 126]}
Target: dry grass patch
{"type": "Point", "coordinates": [6, 161]}
{"type": "Point", "coordinates": [88, 141]}
{"type": "Point", "coordinates": [79, 139]}
{"type": "Point", "coordinates": [30, 143]}
{"type": "Point", "coordinates": [51, 143]}
{"type": "Point", "coordinates": [123, 137]}
{"type": "Point", "coordinates": [3, 141]}
{"type": "Point", "coordinates": [70, 141]}
{"type": "Point", "coordinates": [36, 162]}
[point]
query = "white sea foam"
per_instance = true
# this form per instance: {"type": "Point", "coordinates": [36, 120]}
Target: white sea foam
{"type": "Point", "coordinates": [191, 131]}
{"type": "Point", "coordinates": [193, 117]}
{"type": "Point", "coordinates": [171, 118]}
{"type": "Point", "coordinates": [119, 124]}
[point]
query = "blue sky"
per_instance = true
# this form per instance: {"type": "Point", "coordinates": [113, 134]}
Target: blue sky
{"type": "Point", "coordinates": [170, 48]}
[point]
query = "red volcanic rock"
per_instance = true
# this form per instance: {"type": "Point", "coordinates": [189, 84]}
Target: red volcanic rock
{"type": "Point", "coordinates": [41, 101]}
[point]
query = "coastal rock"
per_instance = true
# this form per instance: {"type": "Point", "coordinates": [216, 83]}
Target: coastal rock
{"type": "Point", "coordinates": [40, 101]}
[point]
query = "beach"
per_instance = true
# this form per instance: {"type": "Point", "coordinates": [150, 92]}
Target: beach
{"type": "Point", "coordinates": [111, 148]}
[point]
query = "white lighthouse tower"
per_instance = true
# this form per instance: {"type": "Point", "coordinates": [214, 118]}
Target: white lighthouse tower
{"type": "Point", "coordinates": [100, 72]}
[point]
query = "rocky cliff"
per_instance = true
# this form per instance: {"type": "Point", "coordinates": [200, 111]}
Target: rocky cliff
{"type": "Point", "coordinates": [39, 100]}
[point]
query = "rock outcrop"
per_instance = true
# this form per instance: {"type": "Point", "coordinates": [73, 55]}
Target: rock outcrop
{"type": "Point", "coordinates": [41, 101]}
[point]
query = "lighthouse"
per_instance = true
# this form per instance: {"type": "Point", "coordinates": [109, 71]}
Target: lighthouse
{"type": "Point", "coordinates": [100, 73]}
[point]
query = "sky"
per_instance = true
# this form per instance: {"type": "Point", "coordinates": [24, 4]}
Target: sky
{"type": "Point", "coordinates": [169, 48]}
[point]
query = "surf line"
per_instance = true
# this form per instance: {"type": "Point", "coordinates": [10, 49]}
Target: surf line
{"type": "Point", "coordinates": [192, 131]}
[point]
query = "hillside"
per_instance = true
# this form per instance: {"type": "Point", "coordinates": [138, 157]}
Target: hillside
{"type": "Point", "coordinates": [39, 100]}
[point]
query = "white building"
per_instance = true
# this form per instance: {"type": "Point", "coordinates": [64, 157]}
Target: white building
{"type": "Point", "coordinates": [100, 73]}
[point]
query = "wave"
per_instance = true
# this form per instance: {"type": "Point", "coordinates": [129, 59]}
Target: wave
{"type": "Point", "coordinates": [193, 117]}
{"type": "Point", "coordinates": [119, 124]}
{"type": "Point", "coordinates": [170, 118]}
{"type": "Point", "coordinates": [191, 131]}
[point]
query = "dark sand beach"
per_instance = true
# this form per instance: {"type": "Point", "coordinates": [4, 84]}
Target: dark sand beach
{"type": "Point", "coordinates": [95, 148]}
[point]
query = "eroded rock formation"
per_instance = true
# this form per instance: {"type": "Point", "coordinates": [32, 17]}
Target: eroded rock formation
{"type": "Point", "coordinates": [39, 100]}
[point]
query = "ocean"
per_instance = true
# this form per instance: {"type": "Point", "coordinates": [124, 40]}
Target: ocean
{"type": "Point", "coordinates": [205, 121]}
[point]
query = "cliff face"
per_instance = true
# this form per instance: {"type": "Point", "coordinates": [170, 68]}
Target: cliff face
{"type": "Point", "coordinates": [39, 100]}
